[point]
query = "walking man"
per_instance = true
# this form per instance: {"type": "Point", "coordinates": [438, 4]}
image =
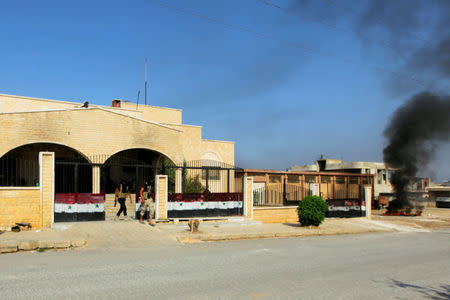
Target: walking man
{"type": "Point", "coordinates": [121, 193]}
{"type": "Point", "coordinates": [147, 202]}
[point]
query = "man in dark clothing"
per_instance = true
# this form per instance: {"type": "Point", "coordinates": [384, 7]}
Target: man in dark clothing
{"type": "Point", "coordinates": [120, 194]}
{"type": "Point", "coordinates": [146, 202]}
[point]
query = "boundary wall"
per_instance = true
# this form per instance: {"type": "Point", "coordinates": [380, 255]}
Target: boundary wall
{"type": "Point", "coordinates": [32, 205]}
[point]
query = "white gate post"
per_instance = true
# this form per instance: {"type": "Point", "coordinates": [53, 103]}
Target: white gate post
{"type": "Point", "coordinates": [368, 200]}
{"type": "Point", "coordinates": [314, 189]}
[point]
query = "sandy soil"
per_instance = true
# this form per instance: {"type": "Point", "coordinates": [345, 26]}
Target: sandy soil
{"type": "Point", "coordinates": [432, 219]}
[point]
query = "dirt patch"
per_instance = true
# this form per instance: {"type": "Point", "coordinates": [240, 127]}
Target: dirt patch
{"type": "Point", "coordinates": [431, 219]}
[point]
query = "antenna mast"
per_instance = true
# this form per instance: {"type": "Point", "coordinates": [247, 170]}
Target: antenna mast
{"type": "Point", "coordinates": [145, 81]}
{"type": "Point", "coordinates": [137, 101]}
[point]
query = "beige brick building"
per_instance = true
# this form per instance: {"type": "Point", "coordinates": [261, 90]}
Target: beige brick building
{"type": "Point", "coordinates": [99, 135]}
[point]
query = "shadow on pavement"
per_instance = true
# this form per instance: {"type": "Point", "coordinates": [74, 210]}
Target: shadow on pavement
{"type": "Point", "coordinates": [439, 293]}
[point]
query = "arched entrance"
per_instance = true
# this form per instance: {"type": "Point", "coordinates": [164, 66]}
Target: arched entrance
{"type": "Point", "coordinates": [134, 166]}
{"type": "Point", "coordinates": [73, 172]}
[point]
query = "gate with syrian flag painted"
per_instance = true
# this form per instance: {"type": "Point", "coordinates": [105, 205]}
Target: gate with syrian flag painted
{"type": "Point", "coordinates": [205, 204]}
{"type": "Point", "coordinates": [75, 207]}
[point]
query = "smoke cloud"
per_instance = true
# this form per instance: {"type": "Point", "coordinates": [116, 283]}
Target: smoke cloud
{"type": "Point", "coordinates": [416, 34]}
{"type": "Point", "coordinates": [413, 134]}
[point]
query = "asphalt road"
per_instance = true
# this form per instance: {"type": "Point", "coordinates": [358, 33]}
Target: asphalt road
{"type": "Point", "coordinates": [369, 266]}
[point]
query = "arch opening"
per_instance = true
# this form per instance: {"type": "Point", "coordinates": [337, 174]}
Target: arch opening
{"type": "Point", "coordinates": [73, 172]}
{"type": "Point", "coordinates": [134, 166]}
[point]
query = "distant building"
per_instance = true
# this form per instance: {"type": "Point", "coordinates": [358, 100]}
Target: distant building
{"type": "Point", "coordinates": [440, 193]}
{"type": "Point", "coordinates": [378, 169]}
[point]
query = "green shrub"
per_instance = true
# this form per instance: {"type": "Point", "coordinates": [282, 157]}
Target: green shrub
{"type": "Point", "coordinates": [311, 210]}
{"type": "Point", "coordinates": [193, 185]}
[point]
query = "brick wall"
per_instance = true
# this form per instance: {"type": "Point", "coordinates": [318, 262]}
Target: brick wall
{"type": "Point", "coordinates": [20, 205]}
{"type": "Point", "coordinates": [276, 214]}
{"type": "Point", "coordinates": [47, 185]}
{"type": "Point", "coordinates": [161, 196]}
{"type": "Point", "coordinates": [32, 205]}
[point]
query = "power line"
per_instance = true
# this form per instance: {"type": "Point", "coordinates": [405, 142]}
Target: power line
{"type": "Point", "coordinates": [326, 24]}
{"type": "Point", "coordinates": [286, 42]}
{"type": "Point", "coordinates": [353, 11]}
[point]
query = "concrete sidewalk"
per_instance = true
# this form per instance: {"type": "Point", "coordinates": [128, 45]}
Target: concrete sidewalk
{"type": "Point", "coordinates": [228, 232]}
{"type": "Point", "coordinates": [132, 234]}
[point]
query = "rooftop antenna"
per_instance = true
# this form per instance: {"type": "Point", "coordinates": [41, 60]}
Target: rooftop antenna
{"type": "Point", "coordinates": [137, 101]}
{"type": "Point", "coordinates": [145, 80]}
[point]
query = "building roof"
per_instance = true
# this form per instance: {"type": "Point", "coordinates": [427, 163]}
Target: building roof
{"type": "Point", "coordinates": [263, 171]}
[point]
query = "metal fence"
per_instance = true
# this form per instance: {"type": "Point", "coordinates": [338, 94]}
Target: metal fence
{"type": "Point", "coordinates": [74, 175]}
{"type": "Point", "coordinates": [200, 175]}
{"type": "Point", "coordinates": [18, 172]}
{"type": "Point", "coordinates": [284, 193]}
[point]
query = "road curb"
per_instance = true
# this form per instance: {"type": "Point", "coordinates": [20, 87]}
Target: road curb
{"type": "Point", "coordinates": [11, 246]}
{"type": "Point", "coordinates": [196, 238]}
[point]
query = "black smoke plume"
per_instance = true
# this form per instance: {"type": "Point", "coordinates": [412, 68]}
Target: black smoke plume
{"type": "Point", "coordinates": [413, 133]}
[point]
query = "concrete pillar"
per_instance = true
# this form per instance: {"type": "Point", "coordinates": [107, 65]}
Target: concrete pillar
{"type": "Point", "coordinates": [178, 180]}
{"type": "Point", "coordinates": [368, 200]}
{"type": "Point", "coordinates": [161, 182]}
{"type": "Point", "coordinates": [232, 181]}
{"type": "Point", "coordinates": [47, 187]}
{"type": "Point", "coordinates": [95, 179]}
{"type": "Point", "coordinates": [248, 197]}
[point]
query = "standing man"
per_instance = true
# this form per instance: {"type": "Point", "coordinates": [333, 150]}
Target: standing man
{"type": "Point", "coordinates": [147, 201]}
{"type": "Point", "coordinates": [121, 193]}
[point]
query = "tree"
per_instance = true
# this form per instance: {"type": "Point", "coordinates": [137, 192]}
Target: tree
{"type": "Point", "coordinates": [169, 170]}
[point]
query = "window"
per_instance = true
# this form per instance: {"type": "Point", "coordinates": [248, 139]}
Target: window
{"type": "Point", "coordinates": [310, 178]}
{"type": "Point", "coordinates": [325, 179]}
{"type": "Point", "coordinates": [275, 179]}
{"type": "Point", "coordinates": [340, 180]}
{"type": "Point", "coordinates": [292, 178]}
{"type": "Point", "coordinates": [213, 173]}
{"type": "Point", "coordinates": [353, 180]}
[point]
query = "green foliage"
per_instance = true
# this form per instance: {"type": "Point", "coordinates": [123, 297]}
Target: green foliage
{"type": "Point", "coordinates": [170, 172]}
{"type": "Point", "coordinates": [184, 176]}
{"type": "Point", "coordinates": [193, 185]}
{"type": "Point", "coordinates": [311, 210]}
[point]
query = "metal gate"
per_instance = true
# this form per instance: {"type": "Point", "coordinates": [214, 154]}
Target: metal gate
{"type": "Point", "coordinates": [74, 200]}
{"type": "Point", "coordinates": [73, 176]}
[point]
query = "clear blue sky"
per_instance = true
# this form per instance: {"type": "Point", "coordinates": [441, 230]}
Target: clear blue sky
{"type": "Point", "coordinates": [281, 105]}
